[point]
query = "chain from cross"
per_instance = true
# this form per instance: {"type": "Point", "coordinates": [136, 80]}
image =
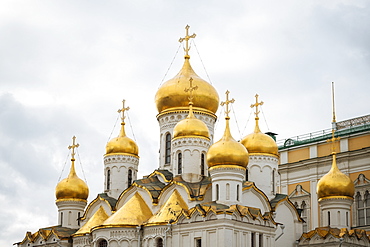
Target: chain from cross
{"type": "Point", "coordinates": [123, 110]}
{"type": "Point", "coordinates": [333, 140]}
{"type": "Point", "coordinates": [227, 102]}
{"type": "Point", "coordinates": [256, 105]}
{"type": "Point", "coordinates": [186, 38]}
{"type": "Point", "coordinates": [191, 89]}
{"type": "Point", "coordinates": [73, 146]}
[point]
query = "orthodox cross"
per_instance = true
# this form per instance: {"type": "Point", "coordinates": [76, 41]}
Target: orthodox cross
{"type": "Point", "coordinates": [227, 102]}
{"type": "Point", "coordinates": [186, 38]}
{"type": "Point", "coordinates": [256, 105]}
{"type": "Point", "coordinates": [123, 110]}
{"type": "Point", "coordinates": [73, 146]}
{"type": "Point", "coordinates": [191, 89]}
{"type": "Point", "coordinates": [333, 140]}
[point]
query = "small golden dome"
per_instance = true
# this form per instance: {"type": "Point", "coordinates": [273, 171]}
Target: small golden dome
{"type": "Point", "coordinates": [335, 183]}
{"type": "Point", "coordinates": [260, 143]}
{"type": "Point", "coordinates": [171, 94]}
{"type": "Point", "coordinates": [227, 151]}
{"type": "Point", "coordinates": [72, 187]}
{"type": "Point", "coordinates": [122, 144]}
{"type": "Point", "coordinates": [191, 126]}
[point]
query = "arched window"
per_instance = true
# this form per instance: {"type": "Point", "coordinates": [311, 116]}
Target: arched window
{"type": "Point", "coordinates": [237, 192]}
{"type": "Point", "coordinates": [168, 149]}
{"type": "Point", "coordinates": [179, 163]}
{"type": "Point", "coordinates": [273, 181]}
{"type": "Point", "coordinates": [338, 218]}
{"type": "Point", "coordinates": [360, 210]}
{"type": "Point", "coordinates": [69, 217]}
{"type": "Point", "coordinates": [202, 165]}
{"type": "Point", "coordinates": [129, 177]}
{"type": "Point", "coordinates": [217, 192]}
{"type": "Point", "coordinates": [367, 208]}
{"type": "Point", "coordinates": [103, 243]}
{"type": "Point", "coordinates": [61, 218]}
{"type": "Point", "coordinates": [79, 218]}
{"type": "Point", "coordinates": [159, 242]}
{"type": "Point", "coordinates": [304, 215]}
{"type": "Point", "coordinates": [227, 191]}
{"type": "Point", "coordinates": [328, 218]}
{"type": "Point", "coordinates": [246, 175]}
{"type": "Point", "coordinates": [108, 179]}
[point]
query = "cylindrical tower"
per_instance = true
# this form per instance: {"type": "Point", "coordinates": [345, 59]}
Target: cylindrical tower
{"type": "Point", "coordinates": [121, 161]}
{"type": "Point", "coordinates": [71, 196]}
{"type": "Point", "coordinates": [172, 104]}
{"type": "Point", "coordinates": [263, 158]}
{"type": "Point", "coordinates": [227, 161]}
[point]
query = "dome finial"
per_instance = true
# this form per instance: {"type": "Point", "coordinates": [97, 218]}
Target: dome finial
{"type": "Point", "coordinates": [186, 38]}
{"type": "Point", "coordinates": [73, 146]}
{"type": "Point", "coordinates": [333, 138]}
{"type": "Point", "coordinates": [257, 129]}
{"type": "Point", "coordinates": [122, 110]}
{"type": "Point", "coordinates": [227, 102]}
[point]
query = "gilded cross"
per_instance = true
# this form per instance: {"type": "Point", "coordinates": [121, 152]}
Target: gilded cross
{"type": "Point", "coordinates": [73, 146]}
{"type": "Point", "coordinates": [186, 38]}
{"type": "Point", "coordinates": [333, 140]}
{"type": "Point", "coordinates": [256, 105]}
{"type": "Point", "coordinates": [191, 89]}
{"type": "Point", "coordinates": [123, 110]}
{"type": "Point", "coordinates": [227, 102]}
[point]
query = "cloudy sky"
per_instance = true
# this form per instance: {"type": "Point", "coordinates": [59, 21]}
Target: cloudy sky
{"type": "Point", "coordinates": [65, 67]}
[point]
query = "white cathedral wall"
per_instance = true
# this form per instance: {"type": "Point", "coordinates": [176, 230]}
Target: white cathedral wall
{"type": "Point", "coordinates": [285, 214]}
{"type": "Point", "coordinates": [262, 171]}
{"type": "Point", "coordinates": [69, 211]}
{"type": "Point", "coordinates": [252, 198]}
{"type": "Point", "coordinates": [228, 182]}
{"type": "Point", "coordinates": [119, 164]}
{"type": "Point", "coordinates": [220, 233]}
{"type": "Point", "coordinates": [167, 123]}
{"type": "Point", "coordinates": [191, 149]}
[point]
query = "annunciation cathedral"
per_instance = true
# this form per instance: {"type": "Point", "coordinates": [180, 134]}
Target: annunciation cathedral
{"type": "Point", "coordinates": [204, 192]}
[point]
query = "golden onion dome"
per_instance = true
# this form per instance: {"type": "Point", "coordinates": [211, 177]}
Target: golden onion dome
{"type": "Point", "coordinates": [335, 183]}
{"type": "Point", "coordinates": [260, 143]}
{"type": "Point", "coordinates": [122, 144]}
{"type": "Point", "coordinates": [72, 187]}
{"type": "Point", "coordinates": [191, 126]}
{"type": "Point", "coordinates": [171, 95]}
{"type": "Point", "coordinates": [227, 151]}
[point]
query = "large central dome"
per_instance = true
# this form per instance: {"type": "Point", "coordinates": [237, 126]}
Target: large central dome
{"type": "Point", "coordinates": [172, 96]}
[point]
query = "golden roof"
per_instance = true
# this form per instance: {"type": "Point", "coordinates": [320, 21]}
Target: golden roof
{"type": "Point", "coordinates": [227, 151]}
{"type": "Point", "coordinates": [97, 219]}
{"type": "Point", "coordinates": [171, 95]}
{"type": "Point", "coordinates": [122, 144]}
{"type": "Point", "coordinates": [260, 143]}
{"type": "Point", "coordinates": [170, 210]}
{"type": "Point", "coordinates": [133, 213]}
{"type": "Point", "coordinates": [72, 187]}
{"type": "Point", "coordinates": [191, 126]}
{"type": "Point", "coordinates": [335, 183]}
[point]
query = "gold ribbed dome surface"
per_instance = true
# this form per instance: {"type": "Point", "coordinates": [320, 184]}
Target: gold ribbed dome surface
{"type": "Point", "coordinates": [191, 126]}
{"type": "Point", "coordinates": [260, 143]}
{"type": "Point", "coordinates": [133, 213]}
{"type": "Point", "coordinates": [335, 183]}
{"type": "Point", "coordinates": [171, 95]}
{"type": "Point", "coordinates": [122, 144]}
{"type": "Point", "coordinates": [227, 151]}
{"type": "Point", "coordinates": [72, 187]}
